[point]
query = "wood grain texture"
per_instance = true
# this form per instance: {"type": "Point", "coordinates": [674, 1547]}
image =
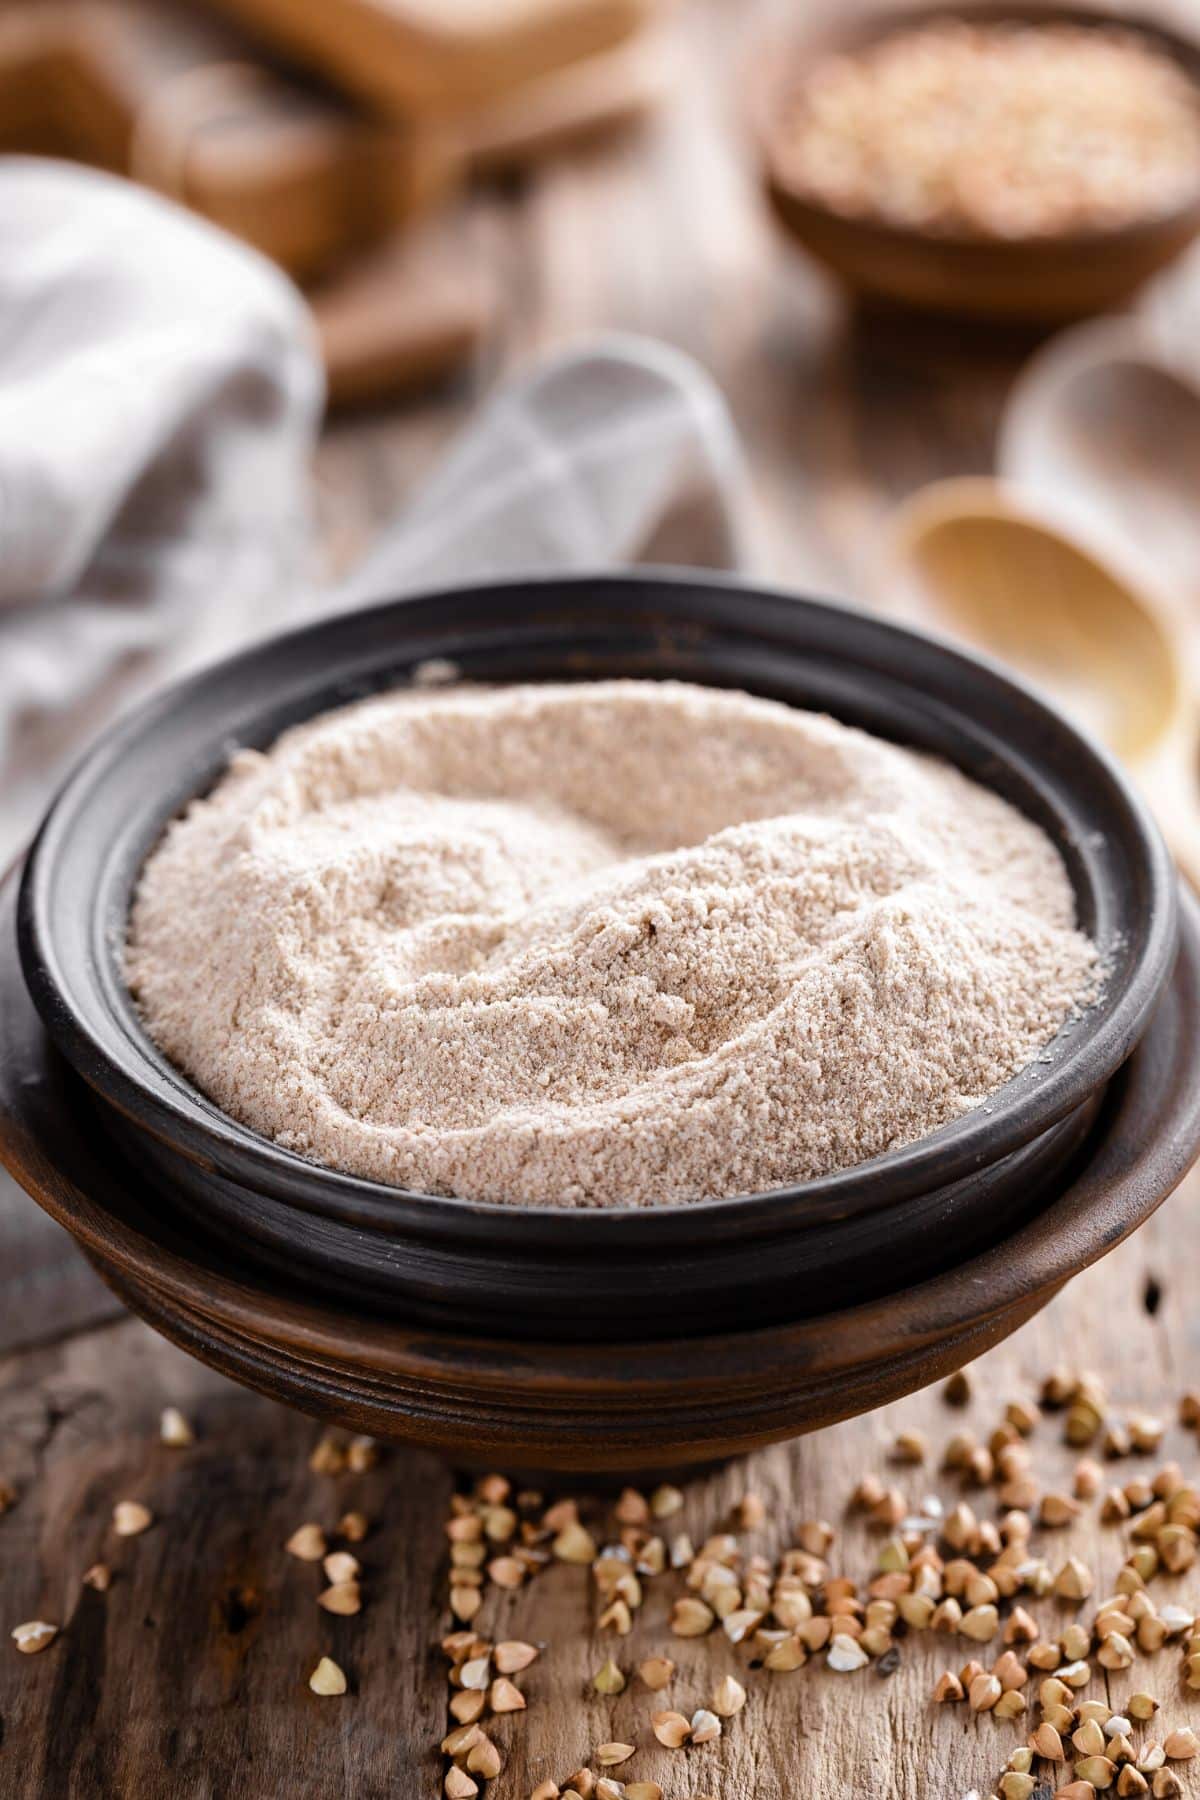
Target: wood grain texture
{"type": "Point", "coordinates": [187, 1677]}
{"type": "Point", "coordinates": [186, 1681]}
{"type": "Point", "coordinates": [172, 1682]}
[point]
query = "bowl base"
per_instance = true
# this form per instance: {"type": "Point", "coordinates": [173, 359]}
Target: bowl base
{"type": "Point", "coordinates": [486, 1402]}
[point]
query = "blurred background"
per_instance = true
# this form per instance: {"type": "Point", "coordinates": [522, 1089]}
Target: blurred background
{"type": "Point", "coordinates": [492, 180]}
{"type": "Point", "coordinates": [881, 263]}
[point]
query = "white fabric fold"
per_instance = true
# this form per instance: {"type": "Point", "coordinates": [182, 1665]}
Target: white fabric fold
{"type": "Point", "coordinates": [159, 394]}
{"type": "Point", "coordinates": [620, 450]}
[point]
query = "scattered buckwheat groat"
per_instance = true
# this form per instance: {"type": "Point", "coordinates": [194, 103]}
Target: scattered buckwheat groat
{"type": "Point", "coordinates": [327, 1678]}
{"type": "Point", "coordinates": [1034, 1644]}
{"type": "Point", "coordinates": [131, 1518]}
{"type": "Point", "coordinates": [175, 1430]}
{"type": "Point", "coordinates": [1048, 1657]}
{"type": "Point", "coordinates": [307, 1543]}
{"type": "Point", "coordinates": [328, 1455]}
{"type": "Point", "coordinates": [609, 1679]}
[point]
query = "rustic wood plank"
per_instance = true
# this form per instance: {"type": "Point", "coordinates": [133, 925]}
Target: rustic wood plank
{"type": "Point", "coordinates": [188, 1676]}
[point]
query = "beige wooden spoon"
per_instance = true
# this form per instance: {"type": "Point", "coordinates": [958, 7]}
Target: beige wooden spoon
{"type": "Point", "coordinates": [979, 561]}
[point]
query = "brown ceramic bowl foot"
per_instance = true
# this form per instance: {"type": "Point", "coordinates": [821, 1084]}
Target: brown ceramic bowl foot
{"type": "Point", "coordinates": [1042, 279]}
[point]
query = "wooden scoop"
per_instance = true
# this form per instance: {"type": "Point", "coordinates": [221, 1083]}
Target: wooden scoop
{"type": "Point", "coordinates": [977, 560]}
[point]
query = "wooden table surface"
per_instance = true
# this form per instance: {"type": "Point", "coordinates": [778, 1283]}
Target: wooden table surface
{"type": "Point", "coordinates": [187, 1679]}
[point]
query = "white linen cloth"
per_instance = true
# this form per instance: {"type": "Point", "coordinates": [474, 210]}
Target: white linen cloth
{"type": "Point", "coordinates": [159, 397]}
{"type": "Point", "coordinates": [618, 451]}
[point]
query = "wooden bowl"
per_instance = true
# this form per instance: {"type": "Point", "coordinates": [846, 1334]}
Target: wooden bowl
{"type": "Point", "coordinates": [519, 1272]}
{"type": "Point", "coordinates": [595, 1406]}
{"type": "Point", "coordinates": [1031, 279]}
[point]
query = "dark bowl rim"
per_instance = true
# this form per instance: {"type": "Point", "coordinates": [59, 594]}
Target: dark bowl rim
{"type": "Point", "coordinates": [791, 55]}
{"type": "Point", "coordinates": [179, 1115]}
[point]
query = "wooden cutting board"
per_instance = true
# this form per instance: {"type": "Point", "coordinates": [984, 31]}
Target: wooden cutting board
{"type": "Point", "coordinates": [156, 89]}
{"type": "Point", "coordinates": [420, 306]}
{"type": "Point", "coordinates": [590, 98]}
{"type": "Point", "coordinates": [424, 56]}
{"type": "Point", "coordinates": [162, 91]}
{"type": "Point", "coordinates": [405, 315]}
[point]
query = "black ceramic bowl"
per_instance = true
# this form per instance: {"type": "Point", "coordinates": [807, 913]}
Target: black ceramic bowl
{"type": "Point", "coordinates": [556, 1272]}
{"type": "Point", "coordinates": [635, 1405]}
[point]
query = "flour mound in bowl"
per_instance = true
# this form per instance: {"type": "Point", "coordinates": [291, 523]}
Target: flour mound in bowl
{"type": "Point", "coordinates": [597, 944]}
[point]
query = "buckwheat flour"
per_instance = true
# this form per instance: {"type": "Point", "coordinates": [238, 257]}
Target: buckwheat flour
{"type": "Point", "coordinates": [621, 942]}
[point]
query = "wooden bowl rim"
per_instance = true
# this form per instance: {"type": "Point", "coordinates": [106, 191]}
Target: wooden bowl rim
{"type": "Point", "coordinates": [785, 63]}
{"type": "Point", "coordinates": [732, 616]}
